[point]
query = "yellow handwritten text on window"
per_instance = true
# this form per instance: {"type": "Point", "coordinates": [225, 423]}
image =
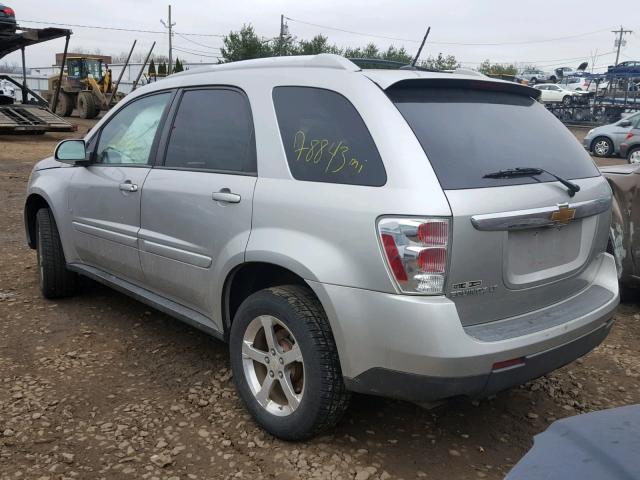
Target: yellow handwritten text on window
{"type": "Point", "coordinates": [334, 157]}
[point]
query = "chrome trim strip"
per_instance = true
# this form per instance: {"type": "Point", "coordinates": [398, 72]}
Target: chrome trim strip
{"type": "Point", "coordinates": [103, 233]}
{"type": "Point", "coordinates": [178, 254]}
{"type": "Point", "coordinates": [536, 217]}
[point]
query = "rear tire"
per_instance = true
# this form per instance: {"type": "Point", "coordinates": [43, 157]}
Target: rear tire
{"type": "Point", "coordinates": [633, 155]}
{"type": "Point", "coordinates": [602, 147]}
{"type": "Point", "coordinates": [65, 105]}
{"type": "Point", "coordinates": [297, 323]}
{"type": "Point", "coordinates": [87, 105]}
{"type": "Point", "coordinates": [567, 100]}
{"type": "Point", "coordinates": [55, 280]}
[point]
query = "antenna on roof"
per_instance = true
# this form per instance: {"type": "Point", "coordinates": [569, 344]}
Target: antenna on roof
{"type": "Point", "coordinates": [413, 63]}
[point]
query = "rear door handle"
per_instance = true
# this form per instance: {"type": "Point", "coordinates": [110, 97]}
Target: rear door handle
{"type": "Point", "coordinates": [225, 195]}
{"type": "Point", "coordinates": [128, 187]}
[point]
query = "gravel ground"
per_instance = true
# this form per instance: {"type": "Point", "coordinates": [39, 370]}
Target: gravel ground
{"type": "Point", "coordinates": [100, 386]}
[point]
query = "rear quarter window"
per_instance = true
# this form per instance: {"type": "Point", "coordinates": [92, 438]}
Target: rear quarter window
{"type": "Point", "coordinates": [325, 139]}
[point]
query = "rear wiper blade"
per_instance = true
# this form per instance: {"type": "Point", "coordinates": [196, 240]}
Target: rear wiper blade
{"type": "Point", "coordinates": [531, 172]}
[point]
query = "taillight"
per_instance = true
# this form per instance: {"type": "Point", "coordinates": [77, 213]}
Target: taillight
{"type": "Point", "coordinates": [416, 252]}
{"type": "Point", "coordinates": [629, 135]}
{"type": "Point", "coordinates": [9, 11]}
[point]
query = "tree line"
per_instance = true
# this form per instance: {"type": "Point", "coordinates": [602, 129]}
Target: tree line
{"type": "Point", "coordinates": [245, 44]}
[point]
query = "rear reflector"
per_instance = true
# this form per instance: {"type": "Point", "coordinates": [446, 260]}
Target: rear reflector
{"type": "Point", "coordinates": [508, 363]}
{"type": "Point", "coordinates": [395, 262]}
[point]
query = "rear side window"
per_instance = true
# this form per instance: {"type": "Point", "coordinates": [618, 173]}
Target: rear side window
{"type": "Point", "coordinates": [212, 130]}
{"type": "Point", "coordinates": [325, 139]}
{"type": "Point", "coordinates": [467, 134]}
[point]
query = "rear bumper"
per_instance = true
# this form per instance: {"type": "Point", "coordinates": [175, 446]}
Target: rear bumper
{"type": "Point", "coordinates": [416, 348]}
{"type": "Point", "coordinates": [423, 388]}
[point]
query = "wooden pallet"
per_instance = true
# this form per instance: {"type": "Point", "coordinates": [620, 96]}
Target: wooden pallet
{"type": "Point", "coordinates": [19, 118]}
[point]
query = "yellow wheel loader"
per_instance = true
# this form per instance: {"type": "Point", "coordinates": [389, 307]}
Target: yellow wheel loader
{"type": "Point", "coordinates": [86, 85]}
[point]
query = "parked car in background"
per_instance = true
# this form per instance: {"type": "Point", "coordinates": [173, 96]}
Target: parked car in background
{"type": "Point", "coordinates": [605, 141]}
{"type": "Point", "coordinates": [7, 19]}
{"type": "Point", "coordinates": [624, 238]}
{"type": "Point", "coordinates": [319, 218]}
{"type": "Point", "coordinates": [553, 93]}
{"type": "Point", "coordinates": [630, 147]}
{"type": "Point", "coordinates": [537, 76]}
{"type": "Point", "coordinates": [7, 92]}
{"type": "Point", "coordinates": [597, 86]}
{"type": "Point", "coordinates": [627, 67]}
{"type": "Point", "coordinates": [562, 72]}
{"type": "Point", "coordinates": [575, 84]}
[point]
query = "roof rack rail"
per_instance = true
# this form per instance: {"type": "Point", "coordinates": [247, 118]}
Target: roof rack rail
{"type": "Point", "coordinates": [322, 60]}
{"type": "Point", "coordinates": [365, 63]}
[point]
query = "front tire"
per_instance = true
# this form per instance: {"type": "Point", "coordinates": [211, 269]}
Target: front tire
{"type": "Point", "coordinates": [55, 280]}
{"type": "Point", "coordinates": [285, 363]}
{"type": "Point", "coordinates": [602, 147]}
{"type": "Point", "coordinates": [567, 100]}
{"type": "Point", "coordinates": [633, 155]}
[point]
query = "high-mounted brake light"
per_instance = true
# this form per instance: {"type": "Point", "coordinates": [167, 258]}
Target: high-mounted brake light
{"type": "Point", "coordinates": [416, 252]}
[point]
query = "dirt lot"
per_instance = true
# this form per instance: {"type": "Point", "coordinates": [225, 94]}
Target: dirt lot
{"type": "Point", "coordinates": [100, 386]}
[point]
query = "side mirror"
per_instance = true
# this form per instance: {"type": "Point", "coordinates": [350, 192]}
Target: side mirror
{"type": "Point", "coordinates": [72, 152]}
{"type": "Point", "coordinates": [625, 123]}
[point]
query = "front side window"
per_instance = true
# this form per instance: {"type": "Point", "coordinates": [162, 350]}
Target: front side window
{"type": "Point", "coordinates": [129, 135]}
{"type": "Point", "coordinates": [325, 139]}
{"type": "Point", "coordinates": [212, 130]}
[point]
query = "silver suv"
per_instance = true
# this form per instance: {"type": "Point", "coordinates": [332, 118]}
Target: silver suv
{"type": "Point", "coordinates": [397, 233]}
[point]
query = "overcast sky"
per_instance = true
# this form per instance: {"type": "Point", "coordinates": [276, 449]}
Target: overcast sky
{"type": "Point", "coordinates": [503, 22]}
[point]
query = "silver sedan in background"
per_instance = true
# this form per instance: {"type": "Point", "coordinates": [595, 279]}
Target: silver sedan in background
{"type": "Point", "coordinates": [605, 141]}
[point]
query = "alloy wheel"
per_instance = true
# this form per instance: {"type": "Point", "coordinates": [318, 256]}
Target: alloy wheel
{"type": "Point", "coordinates": [601, 148]}
{"type": "Point", "coordinates": [273, 365]}
{"type": "Point", "coordinates": [634, 157]}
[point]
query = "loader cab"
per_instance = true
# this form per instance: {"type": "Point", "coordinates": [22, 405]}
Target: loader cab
{"type": "Point", "coordinates": [81, 68]}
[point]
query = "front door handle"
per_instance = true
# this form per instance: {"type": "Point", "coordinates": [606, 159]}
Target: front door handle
{"type": "Point", "coordinates": [128, 187]}
{"type": "Point", "coordinates": [225, 195]}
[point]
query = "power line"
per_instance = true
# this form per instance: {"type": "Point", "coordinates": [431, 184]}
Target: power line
{"type": "Point", "coordinates": [194, 50]}
{"type": "Point", "coordinates": [196, 54]}
{"type": "Point", "coordinates": [196, 43]}
{"type": "Point", "coordinates": [448, 43]}
{"type": "Point", "coordinates": [98, 27]}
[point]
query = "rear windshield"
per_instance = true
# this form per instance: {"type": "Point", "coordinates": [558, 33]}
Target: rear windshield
{"type": "Point", "coordinates": [467, 134]}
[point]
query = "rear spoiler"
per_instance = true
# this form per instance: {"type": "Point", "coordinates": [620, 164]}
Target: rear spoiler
{"type": "Point", "coordinates": [466, 83]}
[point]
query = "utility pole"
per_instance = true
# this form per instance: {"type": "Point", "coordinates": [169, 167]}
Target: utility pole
{"type": "Point", "coordinates": [281, 42]}
{"type": "Point", "coordinates": [618, 42]}
{"type": "Point", "coordinates": [169, 26]}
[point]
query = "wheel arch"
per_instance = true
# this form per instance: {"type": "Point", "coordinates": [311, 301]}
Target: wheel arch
{"type": "Point", "coordinates": [248, 278]}
{"type": "Point", "coordinates": [597, 137]}
{"type": "Point", "coordinates": [34, 202]}
{"type": "Point", "coordinates": [630, 150]}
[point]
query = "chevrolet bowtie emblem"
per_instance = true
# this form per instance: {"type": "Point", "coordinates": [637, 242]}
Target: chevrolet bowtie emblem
{"type": "Point", "coordinates": [563, 215]}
